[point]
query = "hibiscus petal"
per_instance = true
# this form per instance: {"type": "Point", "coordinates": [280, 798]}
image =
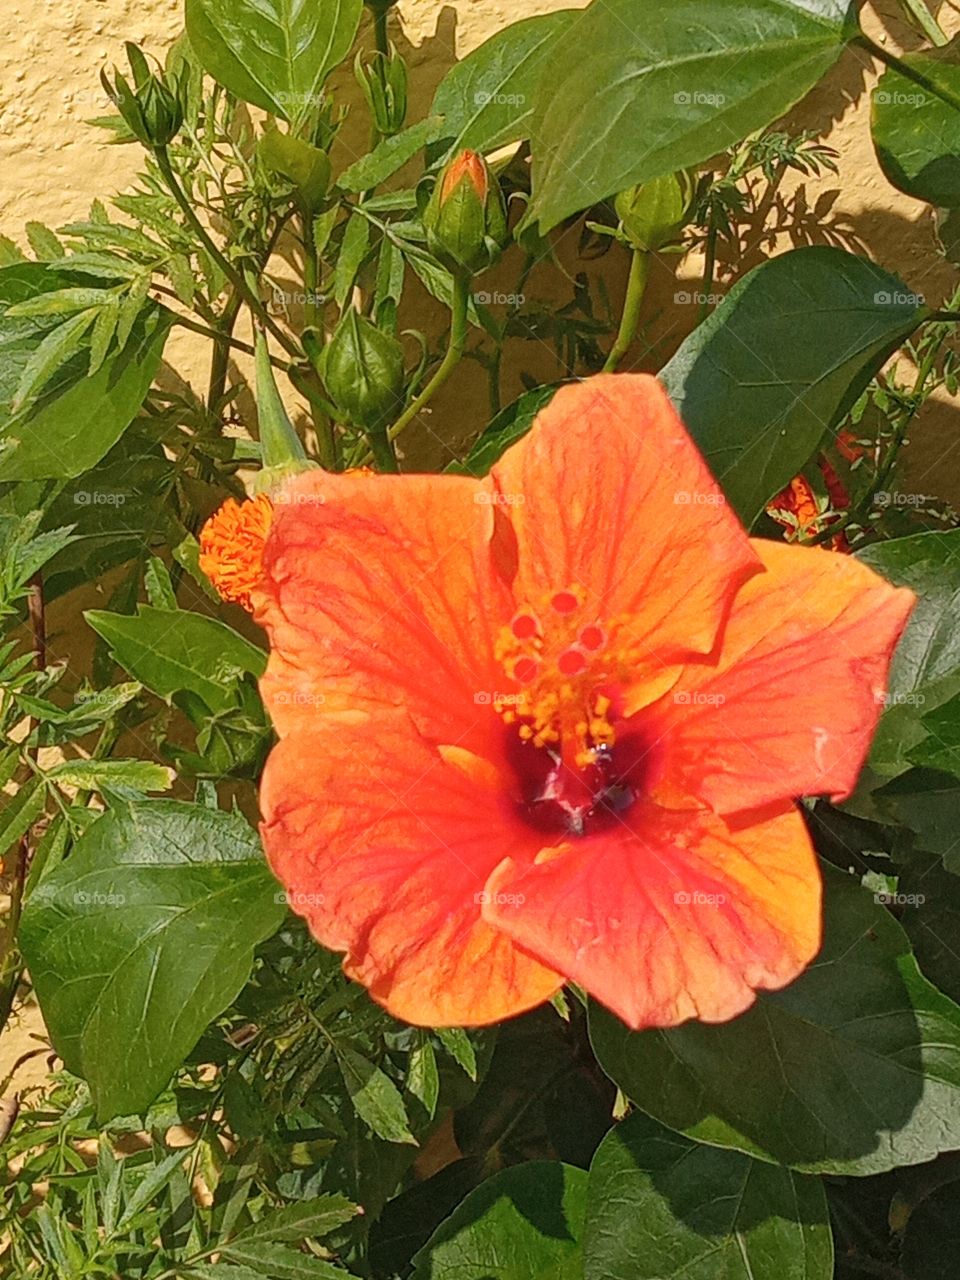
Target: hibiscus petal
{"type": "Point", "coordinates": [791, 704]}
{"type": "Point", "coordinates": [381, 592]}
{"type": "Point", "coordinates": [608, 492]}
{"type": "Point", "coordinates": [385, 846]}
{"type": "Point", "coordinates": [681, 917]}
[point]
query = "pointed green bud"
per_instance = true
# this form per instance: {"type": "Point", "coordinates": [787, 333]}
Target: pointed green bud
{"type": "Point", "coordinates": [152, 108]}
{"type": "Point", "coordinates": [362, 369]}
{"type": "Point", "coordinates": [282, 451]}
{"type": "Point", "coordinates": [384, 84]}
{"type": "Point", "coordinates": [466, 217]}
{"type": "Point", "coordinates": [655, 212]}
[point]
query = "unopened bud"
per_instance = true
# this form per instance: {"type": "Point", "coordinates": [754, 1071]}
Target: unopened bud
{"type": "Point", "coordinates": [384, 83]}
{"type": "Point", "coordinates": [362, 369]}
{"type": "Point", "coordinates": [653, 213]}
{"type": "Point", "coordinates": [466, 218]}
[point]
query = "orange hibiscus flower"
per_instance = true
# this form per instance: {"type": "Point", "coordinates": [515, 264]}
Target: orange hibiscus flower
{"type": "Point", "coordinates": [551, 725]}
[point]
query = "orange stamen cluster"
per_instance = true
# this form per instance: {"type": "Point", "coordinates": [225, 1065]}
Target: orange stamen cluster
{"type": "Point", "coordinates": [231, 547]}
{"type": "Point", "coordinates": [565, 665]}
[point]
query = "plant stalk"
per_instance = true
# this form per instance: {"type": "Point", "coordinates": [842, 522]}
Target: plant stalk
{"type": "Point", "coordinates": [458, 340]}
{"type": "Point", "coordinates": [632, 303]}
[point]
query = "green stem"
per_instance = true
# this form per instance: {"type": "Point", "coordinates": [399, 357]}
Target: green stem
{"type": "Point", "coordinates": [219, 336]}
{"type": "Point", "coordinates": [226, 266]}
{"type": "Point", "coordinates": [927, 22]}
{"type": "Point", "coordinates": [709, 267]}
{"type": "Point", "coordinates": [11, 969]}
{"type": "Point", "coordinates": [458, 340]}
{"type": "Point", "coordinates": [909, 73]}
{"type": "Point", "coordinates": [383, 452]}
{"type": "Point", "coordinates": [220, 360]}
{"type": "Point", "coordinates": [630, 319]}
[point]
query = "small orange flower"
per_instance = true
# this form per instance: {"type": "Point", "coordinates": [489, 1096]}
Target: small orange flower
{"type": "Point", "coordinates": [231, 547]}
{"type": "Point", "coordinates": [551, 725]}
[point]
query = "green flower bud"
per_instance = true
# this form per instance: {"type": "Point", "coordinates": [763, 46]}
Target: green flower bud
{"type": "Point", "coordinates": [362, 369]}
{"type": "Point", "coordinates": [466, 218]}
{"type": "Point", "coordinates": [384, 84]}
{"type": "Point", "coordinates": [301, 163]}
{"type": "Point", "coordinates": [654, 213]}
{"type": "Point", "coordinates": [282, 451]}
{"type": "Point", "coordinates": [153, 108]}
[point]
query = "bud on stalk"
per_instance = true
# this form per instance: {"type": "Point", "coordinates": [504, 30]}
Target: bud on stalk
{"type": "Point", "coordinates": [466, 217]}
{"type": "Point", "coordinates": [153, 108]}
{"type": "Point", "coordinates": [653, 213]}
{"type": "Point", "coordinates": [384, 83]}
{"type": "Point", "coordinates": [362, 369]}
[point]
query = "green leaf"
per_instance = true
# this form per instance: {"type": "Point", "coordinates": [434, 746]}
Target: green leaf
{"type": "Point", "coordinates": [138, 775]}
{"type": "Point", "coordinates": [510, 425]}
{"type": "Point", "coordinates": [278, 1262]}
{"type": "Point", "coordinates": [423, 1077]}
{"type": "Point", "coordinates": [50, 355]}
{"type": "Point", "coordinates": [854, 1068]}
{"type": "Point", "coordinates": [314, 1218]}
{"type": "Point", "coordinates": [59, 302]}
{"type": "Point", "coordinates": [916, 129]}
{"type": "Point", "coordinates": [20, 811]}
{"type": "Point", "coordinates": [661, 1207]}
{"type": "Point", "coordinates": [460, 1048]}
{"type": "Point", "coordinates": [925, 672]}
{"type": "Point", "coordinates": [43, 242]}
{"type": "Point", "coordinates": [929, 564]}
{"type": "Point", "coordinates": [102, 335]}
{"type": "Point", "coordinates": [647, 95]}
{"type": "Point", "coordinates": [143, 936]}
{"type": "Point", "coordinates": [353, 250]}
{"type": "Point", "coordinates": [523, 1224]}
{"type": "Point", "coordinates": [376, 1099]}
{"type": "Point", "coordinates": [273, 53]}
{"type": "Point", "coordinates": [79, 419]}
{"type": "Point", "coordinates": [389, 156]}
{"type": "Point", "coordinates": [941, 747]}
{"type": "Point", "coordinates": [173, 650]}
{"type": "Point", "coordinates": [781, 360]}
{"type": "Point", "coordinates": [157, 583]}
{"type": "Point", "coordinates": [487, 99]}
